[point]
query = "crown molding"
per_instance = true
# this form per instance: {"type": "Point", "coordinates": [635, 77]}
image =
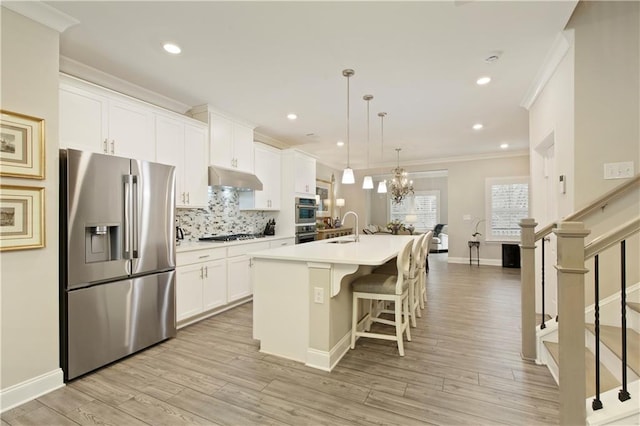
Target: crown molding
{"type": "Point", "coordinates": [268, 140]}
{"type": "Point", "coordinates": [42, 14]}
{"type": "Point", "coordinates": [559, 48]}
{"type": "Point", "coordinates": [101, 78]}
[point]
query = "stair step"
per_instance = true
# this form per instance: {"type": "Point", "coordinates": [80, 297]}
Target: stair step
{"type": "Point", "coordinates": [607, 381]}
{"type": "Point", "coordinates": [634, 305]}
{"type": "Point", "coordinates": [547, 317]}
{"type": "Point", "coordinates": [611, 336]}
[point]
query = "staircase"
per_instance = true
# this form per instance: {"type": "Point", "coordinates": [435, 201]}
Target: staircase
{"type": "Point", "coordinates": [596, 365]}
{"type": "Point", "coordinates": [610, 362]}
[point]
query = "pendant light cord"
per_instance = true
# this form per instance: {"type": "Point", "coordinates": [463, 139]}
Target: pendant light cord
{"type": "Point", "coordinates": [348, 159]}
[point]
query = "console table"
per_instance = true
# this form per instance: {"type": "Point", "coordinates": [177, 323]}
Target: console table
{"type": "Point", "coordinates": [473, 244]}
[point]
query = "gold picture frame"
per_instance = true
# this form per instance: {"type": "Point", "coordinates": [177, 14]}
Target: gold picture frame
{"type": "Point", "coordinates": [21, 145]}
{"type": "Point", "coordinates": [325, 197]}
{"type": "Point", "coordinates": [21, 217]}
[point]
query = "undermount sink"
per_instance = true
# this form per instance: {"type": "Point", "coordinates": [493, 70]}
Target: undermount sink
{"type": "Point", "coordinates": [340, 241]}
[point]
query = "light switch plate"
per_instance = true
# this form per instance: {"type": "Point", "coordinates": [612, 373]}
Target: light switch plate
{"type": "Point", "coordinates": [621, 170]}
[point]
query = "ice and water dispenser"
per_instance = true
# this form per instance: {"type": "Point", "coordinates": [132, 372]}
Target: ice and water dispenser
{"type": "Point", "coordinates": [102, 243]}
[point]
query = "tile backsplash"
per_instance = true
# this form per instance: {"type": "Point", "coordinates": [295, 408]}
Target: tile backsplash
{"type": "Point", "coordinates": [223, 216]}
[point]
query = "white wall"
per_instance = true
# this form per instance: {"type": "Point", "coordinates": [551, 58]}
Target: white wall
{"type": "Point", "coordinates": [29, 287]}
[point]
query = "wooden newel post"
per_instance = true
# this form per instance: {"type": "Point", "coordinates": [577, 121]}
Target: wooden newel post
{"type": "Point", "coordinates": [528, 289]}
{"type": "Point", "coordinates": [571, 270]}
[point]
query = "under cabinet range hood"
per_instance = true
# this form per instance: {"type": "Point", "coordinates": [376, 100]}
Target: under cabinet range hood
{"type": "Point", "coordinates": [219, 176]}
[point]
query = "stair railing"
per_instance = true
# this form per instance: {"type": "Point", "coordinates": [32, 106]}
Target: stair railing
{"type": "Point", "coordinates": [570, 286]}
{"type": "Point", "coordinates": [529, 238]}
{"type": "Point", "coordinates": [593, 249]}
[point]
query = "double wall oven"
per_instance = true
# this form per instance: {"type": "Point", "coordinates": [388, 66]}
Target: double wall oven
{"type": "Point", "coordinates": [305, 220]}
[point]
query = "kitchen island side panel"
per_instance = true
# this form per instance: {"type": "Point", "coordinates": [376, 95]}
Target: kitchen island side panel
{"type": "Point", "coordinates": [280, 307]}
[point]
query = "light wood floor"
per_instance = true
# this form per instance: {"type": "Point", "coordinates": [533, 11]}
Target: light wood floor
{"type": "Point", "coordinates": [462, 367]}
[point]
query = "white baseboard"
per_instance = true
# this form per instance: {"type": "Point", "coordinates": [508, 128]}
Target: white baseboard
{"type": "Point", "coordinates": [31, 389]}
{"type": "Point", "coordinates": [613, 411]}
{"type": "Point", "coordinates": [483, 262]}
{"type": "Point", "coordinates": [327, 360]}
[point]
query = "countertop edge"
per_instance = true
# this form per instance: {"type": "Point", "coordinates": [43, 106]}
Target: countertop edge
{"type": "Point", "coordinates": [207, 245]}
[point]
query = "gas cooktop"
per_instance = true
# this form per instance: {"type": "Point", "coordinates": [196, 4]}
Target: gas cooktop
{"type": "Point", "coordinates": [230, 237]}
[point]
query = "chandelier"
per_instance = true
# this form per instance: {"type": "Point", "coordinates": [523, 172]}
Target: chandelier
{"type": "Point", "coordinates": [400, 184]}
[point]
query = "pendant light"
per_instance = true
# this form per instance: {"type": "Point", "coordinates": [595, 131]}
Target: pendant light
{"type": "Point", "coordinates": [382, 185]}
{"type": "Point", "coordinates": [347, 174]}
{"type": "Point", "coordinates": [367, 183]}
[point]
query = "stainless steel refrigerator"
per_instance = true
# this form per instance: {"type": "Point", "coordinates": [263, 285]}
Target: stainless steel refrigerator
{"type": "Point", "coordinates": [117, 258]}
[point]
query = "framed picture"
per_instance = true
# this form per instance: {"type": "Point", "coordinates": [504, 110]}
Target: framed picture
{"type": "Point", "coordinates": [21, 145]}
{"type": "Point", "coordinates": [21, 217]}
{"type": "Point", "coordinates": [325, 197]}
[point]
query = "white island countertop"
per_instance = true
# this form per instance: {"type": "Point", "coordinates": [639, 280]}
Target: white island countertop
{"type": "Point", "coordinates": [302, 297]}
{"type": "Point", "coordinates": [371, 250]}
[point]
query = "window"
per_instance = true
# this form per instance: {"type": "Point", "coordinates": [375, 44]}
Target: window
{"type": "Point", "coordinates": [424, 204]}
{"type": "Point", "coordinates": [507, 202]}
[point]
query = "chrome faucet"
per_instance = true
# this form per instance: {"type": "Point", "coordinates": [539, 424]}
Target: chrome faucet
{"type": "Point", "coordinates": [357, 238]}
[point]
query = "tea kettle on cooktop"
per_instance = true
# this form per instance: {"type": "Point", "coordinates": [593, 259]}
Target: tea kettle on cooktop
{"type": "Point", "coordinates": [179, 233]}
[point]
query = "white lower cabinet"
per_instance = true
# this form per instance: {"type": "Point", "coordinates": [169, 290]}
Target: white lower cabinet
{"type": "Point", "coordinates": [239, 274]}
{"type": "Point", "coordinates": [212, 278]}
{"type": "Point", "coordinates": [239, 283]}
{"type": "Point", "coordinates": [201, 282]}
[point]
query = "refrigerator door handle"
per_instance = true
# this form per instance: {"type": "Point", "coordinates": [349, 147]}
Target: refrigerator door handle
{"type": "Point", "coordinates": [135, 213]}
{"type": "Point", "coordinates": [128, 200]}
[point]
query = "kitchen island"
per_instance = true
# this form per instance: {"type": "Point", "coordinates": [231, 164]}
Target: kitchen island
{"type": "Point", "coordinates": [302, 295]}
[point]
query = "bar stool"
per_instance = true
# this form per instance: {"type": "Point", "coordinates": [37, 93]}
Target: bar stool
{"type": "Point", "coordinates": [381, 287]}
{"type": "Point", "coordinates": [417, 257]}
{"type": "Point", "coordinates": [424, 269]}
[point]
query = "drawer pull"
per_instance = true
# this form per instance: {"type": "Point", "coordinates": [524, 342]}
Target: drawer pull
{"type": "Point", "coordinates": [202, 257]}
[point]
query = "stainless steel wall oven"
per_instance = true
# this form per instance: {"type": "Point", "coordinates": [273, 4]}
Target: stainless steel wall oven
{"type": "Point", "coordinates": [305, 210]}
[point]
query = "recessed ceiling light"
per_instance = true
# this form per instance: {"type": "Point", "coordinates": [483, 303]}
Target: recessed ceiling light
{"type": "Point", "coordinates": [483, 80]}
{"type": "Point", "coordinates": [174, 49]}
{"type": "Point", "coordinates": [477, 126]}
{"type": "Point", "coordinates": [504, 145]}
{"type": "Point", "coordinates": [340, 143]}
{"type": "Point", "coordinates": [292, 116]}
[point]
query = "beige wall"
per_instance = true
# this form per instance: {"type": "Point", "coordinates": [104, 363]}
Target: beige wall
{"type": "Point", "coordinates": [591, 106]}
{"type": "Point", "coordinates": [607, 81]}
{"type": "Point", "coordinates": [465, 193]}
{"type": "Point", "coordinates": [29, 286]}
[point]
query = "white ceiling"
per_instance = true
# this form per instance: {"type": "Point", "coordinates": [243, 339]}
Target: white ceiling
{"type": "Point", "coordinates": [259, 61]}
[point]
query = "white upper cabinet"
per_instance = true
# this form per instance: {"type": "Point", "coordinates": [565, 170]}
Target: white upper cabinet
{"type": "Point", "coordinates": [230, 140]}
{"type": "Point", "coordinates": [97, 120]}
{"type": "Point", "coordinates": [182, 142]}
{"type": "Point", "coordinates": [196, 176]}
{"type": "Point", "coordinates": [304, 174]}
{"type": "Point", "coordinates": [268, 166]}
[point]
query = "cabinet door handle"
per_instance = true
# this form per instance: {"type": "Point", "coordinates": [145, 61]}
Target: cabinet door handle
{"type": "Point", "coordinates": [104, 146]}
{"type": "Point", "coordinates": [113, 146]}
{"type": "Point", "coordinates": [183, 198]}
{"type": "Point", "coordinates": [201, 272]}
{"type": "Point", "coordinates": [206, 272]}
{"type": "Point", "coordinates": [188, 198]}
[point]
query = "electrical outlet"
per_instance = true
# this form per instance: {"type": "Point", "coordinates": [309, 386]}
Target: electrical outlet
{"type": "Point", "coordinates": [318, 295]}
